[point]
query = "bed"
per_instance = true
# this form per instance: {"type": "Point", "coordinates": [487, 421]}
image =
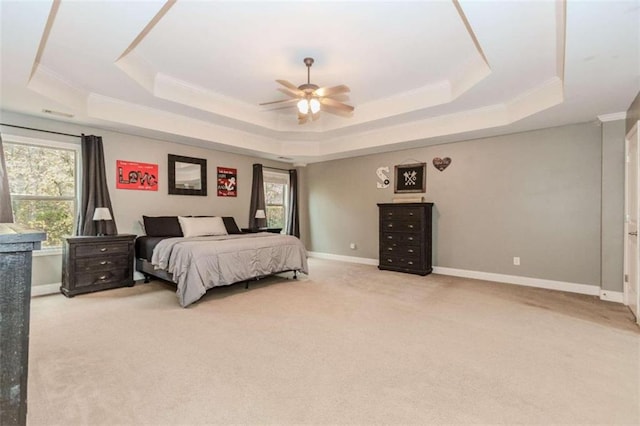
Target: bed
{"type": "Point", "coordinates": [196, 263]}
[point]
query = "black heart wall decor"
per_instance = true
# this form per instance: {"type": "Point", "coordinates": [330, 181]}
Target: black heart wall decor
{"type": "Point", "coordinates": [441, 163]}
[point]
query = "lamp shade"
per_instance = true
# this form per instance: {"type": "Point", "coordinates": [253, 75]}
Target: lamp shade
{"type": "Point", "coordinates": [102, 213]}
{"type": "Point", "coordinates": [260, 214]}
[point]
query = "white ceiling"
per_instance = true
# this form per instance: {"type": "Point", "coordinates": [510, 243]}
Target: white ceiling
{"type": "Point", "coordinates": [420, 72]}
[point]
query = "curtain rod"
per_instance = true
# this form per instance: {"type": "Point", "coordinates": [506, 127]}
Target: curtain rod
{"type": "Point", "coordinates": [276, 168]}
{"type": "Point", "coordinates": [40, 130]}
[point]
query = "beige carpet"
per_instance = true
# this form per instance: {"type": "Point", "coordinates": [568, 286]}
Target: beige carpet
{"type": "Point", "coordinates": [347, 345]}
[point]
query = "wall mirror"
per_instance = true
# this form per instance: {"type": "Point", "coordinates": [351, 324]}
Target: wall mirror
{"type": "Point", "coordinates": [187, 175]}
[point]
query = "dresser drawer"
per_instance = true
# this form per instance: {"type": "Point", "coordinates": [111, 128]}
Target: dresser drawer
{"type": "Point", "coordinates": [97, 249]}
{"type": "Point", "coordinates": [101, 263]}
{"type": "Point", "coordinates": [406, 252]}
{"type": "Point", "coordinates": [96, 278]}
{"type": "Point", "coordinates": [400, 262]}
{"type": "Point", "coordinates": [401, 212]}
{"type": "Point", "coordinates": [405, 238]}
{"type": "Point", "coordinates": [409, 225]}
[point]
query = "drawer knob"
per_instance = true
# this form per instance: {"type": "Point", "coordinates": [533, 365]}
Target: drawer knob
{"type": "Point", "coordinates": [104, 262]}
{"type": "Point", "coordinates": [410, 213]}
{"type": "Point", "coordinates": [102, 278]}
{"type": "Point", "coordinates": [410, 263]}
{"type": "Point", "coordinates": [389, 237]}
{"type": "Point", "coordinates": [410, 250]}
{"type": "Point", "coordinates": [411, 226]}
{"type": "Point", "coordinates": [103, 249]}
{"type": "Point", "coordinates": [389, 260]}
{"type": "Point", "coordinates": [390, 225]}
{"type": "Point", "coordinates": [410, 238]}
{"type": "Point", "coordinates": [390, 249]}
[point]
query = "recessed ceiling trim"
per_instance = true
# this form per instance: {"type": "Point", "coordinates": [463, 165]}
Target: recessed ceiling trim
{"type": "Point", "coordinates": [147, 29]}
{"type": "Point", "coordinates": [45, 36]}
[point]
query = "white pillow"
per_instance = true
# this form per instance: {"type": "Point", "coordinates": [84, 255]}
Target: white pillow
{"type": "Point", "coordinates": [199, 226]}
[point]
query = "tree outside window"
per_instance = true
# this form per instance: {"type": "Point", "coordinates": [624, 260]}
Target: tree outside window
{"type": "Point", "coordinates": [276, 195]}
{"type": "Point", "coordinates": [42, 181]}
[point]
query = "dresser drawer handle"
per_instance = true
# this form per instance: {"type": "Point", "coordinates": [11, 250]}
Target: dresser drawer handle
{"type": "Point", "coordinates": [410, 238]}
{"type": "Point", "coordinates": [390, 248]}
{"type": "Point", "coordinates": [389, 237]}
{"type": "Point", "coordinates": [389, 260]}
{"type": "Point", "coordinates": [390, 225]}
{"type": "Point", "coordinates": [105, 262]}
{"type": "Point", "coordinates": [103, 249]}
{"type": "Point", "coordinates": [410, 263]}
{"type": "Point", "coordinates": [410, 250]}
{"type": "Point", "coordinates": [410, 213]}
{"type": "Point", "coordinates": [102, 278]}
{"type": "Point", "coordinates": [411, 226]}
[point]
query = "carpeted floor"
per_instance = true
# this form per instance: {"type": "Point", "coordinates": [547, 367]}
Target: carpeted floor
{"type": "Point", "coordinates": [347, 345]}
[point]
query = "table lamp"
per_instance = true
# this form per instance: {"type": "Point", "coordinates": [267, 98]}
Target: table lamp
{"type": "Point", "coordinates": [100, 215]}
{"type": "Point", "coordinates": [260, 215]}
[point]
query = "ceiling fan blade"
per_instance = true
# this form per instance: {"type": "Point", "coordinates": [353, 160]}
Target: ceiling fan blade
{"type": "Point", "coordinates": [335, 104]}
{"type": "Point", "coordinates": [292, 87]}
{"type": "Point", "coordinates": [278, 102]}
{"type": "Point", "coordinates": [330, 91]}
{"type": "Point", "coordinates": [275, 105]}
{"type": "Point", "coordinates": [288, 92]}
{"type": "Point", "coordinates": [303, 118]}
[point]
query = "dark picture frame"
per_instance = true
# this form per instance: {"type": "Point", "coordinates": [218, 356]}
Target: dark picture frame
{"type": "Point", "coordinates": [410, 178]}
{"type": "Point", "coordinates": [187, 175]}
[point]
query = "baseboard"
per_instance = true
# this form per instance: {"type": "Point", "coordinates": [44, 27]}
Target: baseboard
{"type": "Point", "coordinates": [350, 259]}
{"type": "Point", "coordinates": [612, 296]}
{"type": "Point", "coordinates": [45, 289]}
{"type": "Point", "coordinates": [518, 280]}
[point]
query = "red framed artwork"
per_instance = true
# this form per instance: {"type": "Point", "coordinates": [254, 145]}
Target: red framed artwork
{"type": "Point", "coordinates": [227, 182]}
{"type": "Point", "coordinates": [134, 175]}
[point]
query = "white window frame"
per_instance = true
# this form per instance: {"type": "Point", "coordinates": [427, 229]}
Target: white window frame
{"type": "Point", "coordinates": [45, 143]}
{"type": "Point", "coordinates": [273, 176]}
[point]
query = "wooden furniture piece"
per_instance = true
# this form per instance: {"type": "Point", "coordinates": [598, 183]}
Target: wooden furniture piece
{"type": "Point", "coordinates": [254, 230]}
{"type": "Point", "coordinates": [16, 245]}
{"type": "Point", "coordinates": [96, 263]}
{"type": "Point", "coordinates": [405, 237]}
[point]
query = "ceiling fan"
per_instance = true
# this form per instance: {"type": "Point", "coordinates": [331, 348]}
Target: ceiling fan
{"type": "Point", "coordinates": [311, 99]}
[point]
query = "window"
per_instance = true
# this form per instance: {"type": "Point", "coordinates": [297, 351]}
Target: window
{"type": "Point", "coordinates": [43, 183]}
{"type": "Point", "coordinates": [276, 197]}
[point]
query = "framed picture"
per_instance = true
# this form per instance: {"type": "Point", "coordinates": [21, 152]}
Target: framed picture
{"type": "Point", "coordinates": [227, 182]}
{"type": "Point", "coordinates": [135, 175]}
{"type": "Point", "coordinates": [410, 178]}
{"type": "Point", "coordinates": [187, 175]}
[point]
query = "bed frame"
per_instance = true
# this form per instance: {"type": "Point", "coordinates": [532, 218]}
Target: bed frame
{"type": "Point", "coordinates": [148, 270]}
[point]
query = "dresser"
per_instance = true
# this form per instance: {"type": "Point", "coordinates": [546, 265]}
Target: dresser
{"type": "Point", "coordinates": [96, 263]}
{"type": "Point", "coordinates": [405, 237]}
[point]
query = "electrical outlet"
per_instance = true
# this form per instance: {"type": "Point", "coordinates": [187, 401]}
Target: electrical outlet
{"type": "Point", "coordinates": [353, 246]}
{"type": "Point", "coordinates": [516, 261]}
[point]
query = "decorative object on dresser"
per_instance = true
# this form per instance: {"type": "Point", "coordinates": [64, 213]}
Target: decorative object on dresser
{"type": "Point", "coordinates": [100, 215]}
{"type": "Point", "coordinates": [410, 178]}
{"type": "Point", "coordinates": [96, 263]}
{"type": "Point", "coordinates": [405, 237]}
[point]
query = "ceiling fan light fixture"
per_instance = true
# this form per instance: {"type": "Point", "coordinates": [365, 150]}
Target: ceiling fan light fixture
{"type": "Point", "coordinates": [314, 105]}
{"type": "Point", "coordinates": [303, 106]}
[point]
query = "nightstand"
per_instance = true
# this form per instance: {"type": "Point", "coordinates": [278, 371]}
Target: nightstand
{"type": "Point", "coordinates": [255, 230]}
{"type": "Point", "coordinates": [96, 263]}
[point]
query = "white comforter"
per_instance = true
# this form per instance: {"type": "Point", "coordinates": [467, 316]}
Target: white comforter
{"type": "Point", "coordinates": [200, 263]}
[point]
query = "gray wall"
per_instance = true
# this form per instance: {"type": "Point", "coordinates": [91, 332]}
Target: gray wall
{"type": "Point", "coordinates": [128, 205]}
{"type": "Point", "coordinates": [536, 195]}
{"type": "Point", "coordinates": [613, 157]}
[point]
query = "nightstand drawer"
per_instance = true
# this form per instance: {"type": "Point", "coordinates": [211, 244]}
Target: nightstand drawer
{"type": "Point", "coordinates": [101, 277]}
{"type": "Point", "coordinates": [101, 263]}
{"type": "Point", "coordinates": [90, 250]}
